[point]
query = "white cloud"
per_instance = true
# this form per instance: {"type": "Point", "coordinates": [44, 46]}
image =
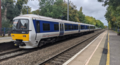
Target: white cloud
{"type": "Point", "coordinates": [34, 4]}
{"type": "Point", "coordinates": [90, 8]}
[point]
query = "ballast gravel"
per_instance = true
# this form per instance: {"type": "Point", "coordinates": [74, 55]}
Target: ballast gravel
{"type": "Point", "coordinates": [38, 56]}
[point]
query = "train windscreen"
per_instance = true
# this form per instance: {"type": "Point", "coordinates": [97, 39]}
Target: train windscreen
{"type": "Point", "coordinates": [20, 26]}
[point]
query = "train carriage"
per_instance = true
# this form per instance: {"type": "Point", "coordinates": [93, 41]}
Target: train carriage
{"type": "Point", "coordinates": [30, 31]}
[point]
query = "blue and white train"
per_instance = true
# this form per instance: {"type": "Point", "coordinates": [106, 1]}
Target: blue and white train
{"type": "Point", "coordinates": [30, 31]}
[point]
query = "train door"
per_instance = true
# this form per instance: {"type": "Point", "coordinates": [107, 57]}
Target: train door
{"type": "Point", "coordinates": [61, 29]}
{"type": "Point", "coordinates": [37, 30]}
{"type": "Point", "coordinates": [79, 27]}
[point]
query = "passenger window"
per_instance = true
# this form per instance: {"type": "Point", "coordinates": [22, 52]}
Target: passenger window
{"type": "Point", "coordinates": [72, 27]}
{"type": "Point", "coordinates": [87, 27]}
{"type": "Point", "coordinates": [37, 26]}
{"type": "Point", "coordinates": [82, 27]}
{"type": "Point", "coordinates": [69, 27]}
{"type": "Point", "coordinates": [66, 27]}
{"type": "Point", "coordinates": [56, 27]}
{"type": "Point", "coordinates": [90, 27]}
{"type": "Point", "coordinates": [75, 27]}
{"type": "Point", "coordinates": [46, 27]}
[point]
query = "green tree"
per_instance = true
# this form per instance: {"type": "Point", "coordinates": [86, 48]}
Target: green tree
{"type": "Point", "coordinates": [5, 23]}
{"type": "Point", "coordinates": [81, 16]}
{"type": "Point", "coordinates": [6, 4]}
{"type": "Point", "coordinates": [112, 14]}
{"type": "Point", "coordinates": [12, 8]}
{"type": "Point", "coordinates": [52, 9]}
{"type": "Point", "coordinates": [80, 9]}
{"type": "Point", "coordinates": [26, 9]}
{"type": "Point", "coordinates": [19, 5]}
{"type": "Point", "coordinates": [58, 9]}
{"type": "Point", "coordinates": [93, 21]}
{"type": "Point", "coordinates": [37, 12]}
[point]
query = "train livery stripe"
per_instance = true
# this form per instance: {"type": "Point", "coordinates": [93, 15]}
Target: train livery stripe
{"type": "Point", "coordinates": [41, 26]}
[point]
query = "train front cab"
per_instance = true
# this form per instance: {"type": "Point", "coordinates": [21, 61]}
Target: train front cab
{"type": "Point", "coordinates": [20, 33]}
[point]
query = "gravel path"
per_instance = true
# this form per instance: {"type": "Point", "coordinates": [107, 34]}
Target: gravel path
{"type": "Point", "coordinates": [40, 55]}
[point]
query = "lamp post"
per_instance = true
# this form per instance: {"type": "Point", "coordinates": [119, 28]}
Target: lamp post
{"type": "Point", "coordinates": [68, 11]}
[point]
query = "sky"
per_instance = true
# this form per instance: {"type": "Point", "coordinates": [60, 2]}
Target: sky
{"type": "Point", "coordinates": [90, 8]}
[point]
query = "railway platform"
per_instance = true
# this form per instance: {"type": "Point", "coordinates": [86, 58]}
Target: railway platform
{"type": "Point", "coordinates": [104, 50]}
{"type": "Point", "coordinates": [5, 39]}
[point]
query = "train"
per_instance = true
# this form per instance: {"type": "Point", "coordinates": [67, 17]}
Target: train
{"type": "Point", "coordinates": [31, 31]}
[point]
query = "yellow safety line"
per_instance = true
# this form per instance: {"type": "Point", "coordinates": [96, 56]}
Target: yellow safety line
{"type": "Point", "coordinates": [108, 54]}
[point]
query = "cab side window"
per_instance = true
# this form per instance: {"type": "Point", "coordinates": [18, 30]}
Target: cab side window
{"type": "Point", "coordinates": [37, 26]}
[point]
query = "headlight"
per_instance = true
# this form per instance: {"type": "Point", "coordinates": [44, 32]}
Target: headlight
{"type": "Point", "coordinates": [24, 35]}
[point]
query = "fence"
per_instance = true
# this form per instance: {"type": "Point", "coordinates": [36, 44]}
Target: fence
{"type": "Point", "coordinates": [5, 31]}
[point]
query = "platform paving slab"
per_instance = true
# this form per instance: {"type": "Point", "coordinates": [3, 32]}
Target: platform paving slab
{"type": "Point", "coordinates": [91, 55]}
{"type": "Point", "coordinates": [5, 39]}
{"type": "Point", "coordinates": [98, 58]}
{"type": "Point", "coordinates": [114, 41]}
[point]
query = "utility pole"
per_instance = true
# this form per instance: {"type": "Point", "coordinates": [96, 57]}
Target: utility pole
{"type": "Point", "coordinates": [0, 16]}
{"type": "Point", "coordinates": [68, 11]}
{"type": "Point", "coordinates": [27, 10]}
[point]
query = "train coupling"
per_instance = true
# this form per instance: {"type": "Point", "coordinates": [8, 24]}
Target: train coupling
{"type": "Point", "coordinates": [19, 43]}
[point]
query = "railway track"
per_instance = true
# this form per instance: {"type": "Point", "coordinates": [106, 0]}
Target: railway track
{"type": "Point", "coordinates": [63, 56]}
{"type": "Point", "coordinates": [14, 53]}
{"type": "Point", "coordinates": [46, 56]}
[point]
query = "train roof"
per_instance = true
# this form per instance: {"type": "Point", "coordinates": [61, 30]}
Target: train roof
{"type": "Point", "coordinates": [33, 16]}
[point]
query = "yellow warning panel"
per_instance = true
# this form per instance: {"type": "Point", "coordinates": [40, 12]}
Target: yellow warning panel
{"type": "Point", "coordinates": [24, 37]}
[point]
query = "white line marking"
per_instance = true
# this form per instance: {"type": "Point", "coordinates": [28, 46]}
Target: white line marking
{"type": "Point", "coordinates": [80, 51]}
{"type": "Point", "coordinates": [94, 51]}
